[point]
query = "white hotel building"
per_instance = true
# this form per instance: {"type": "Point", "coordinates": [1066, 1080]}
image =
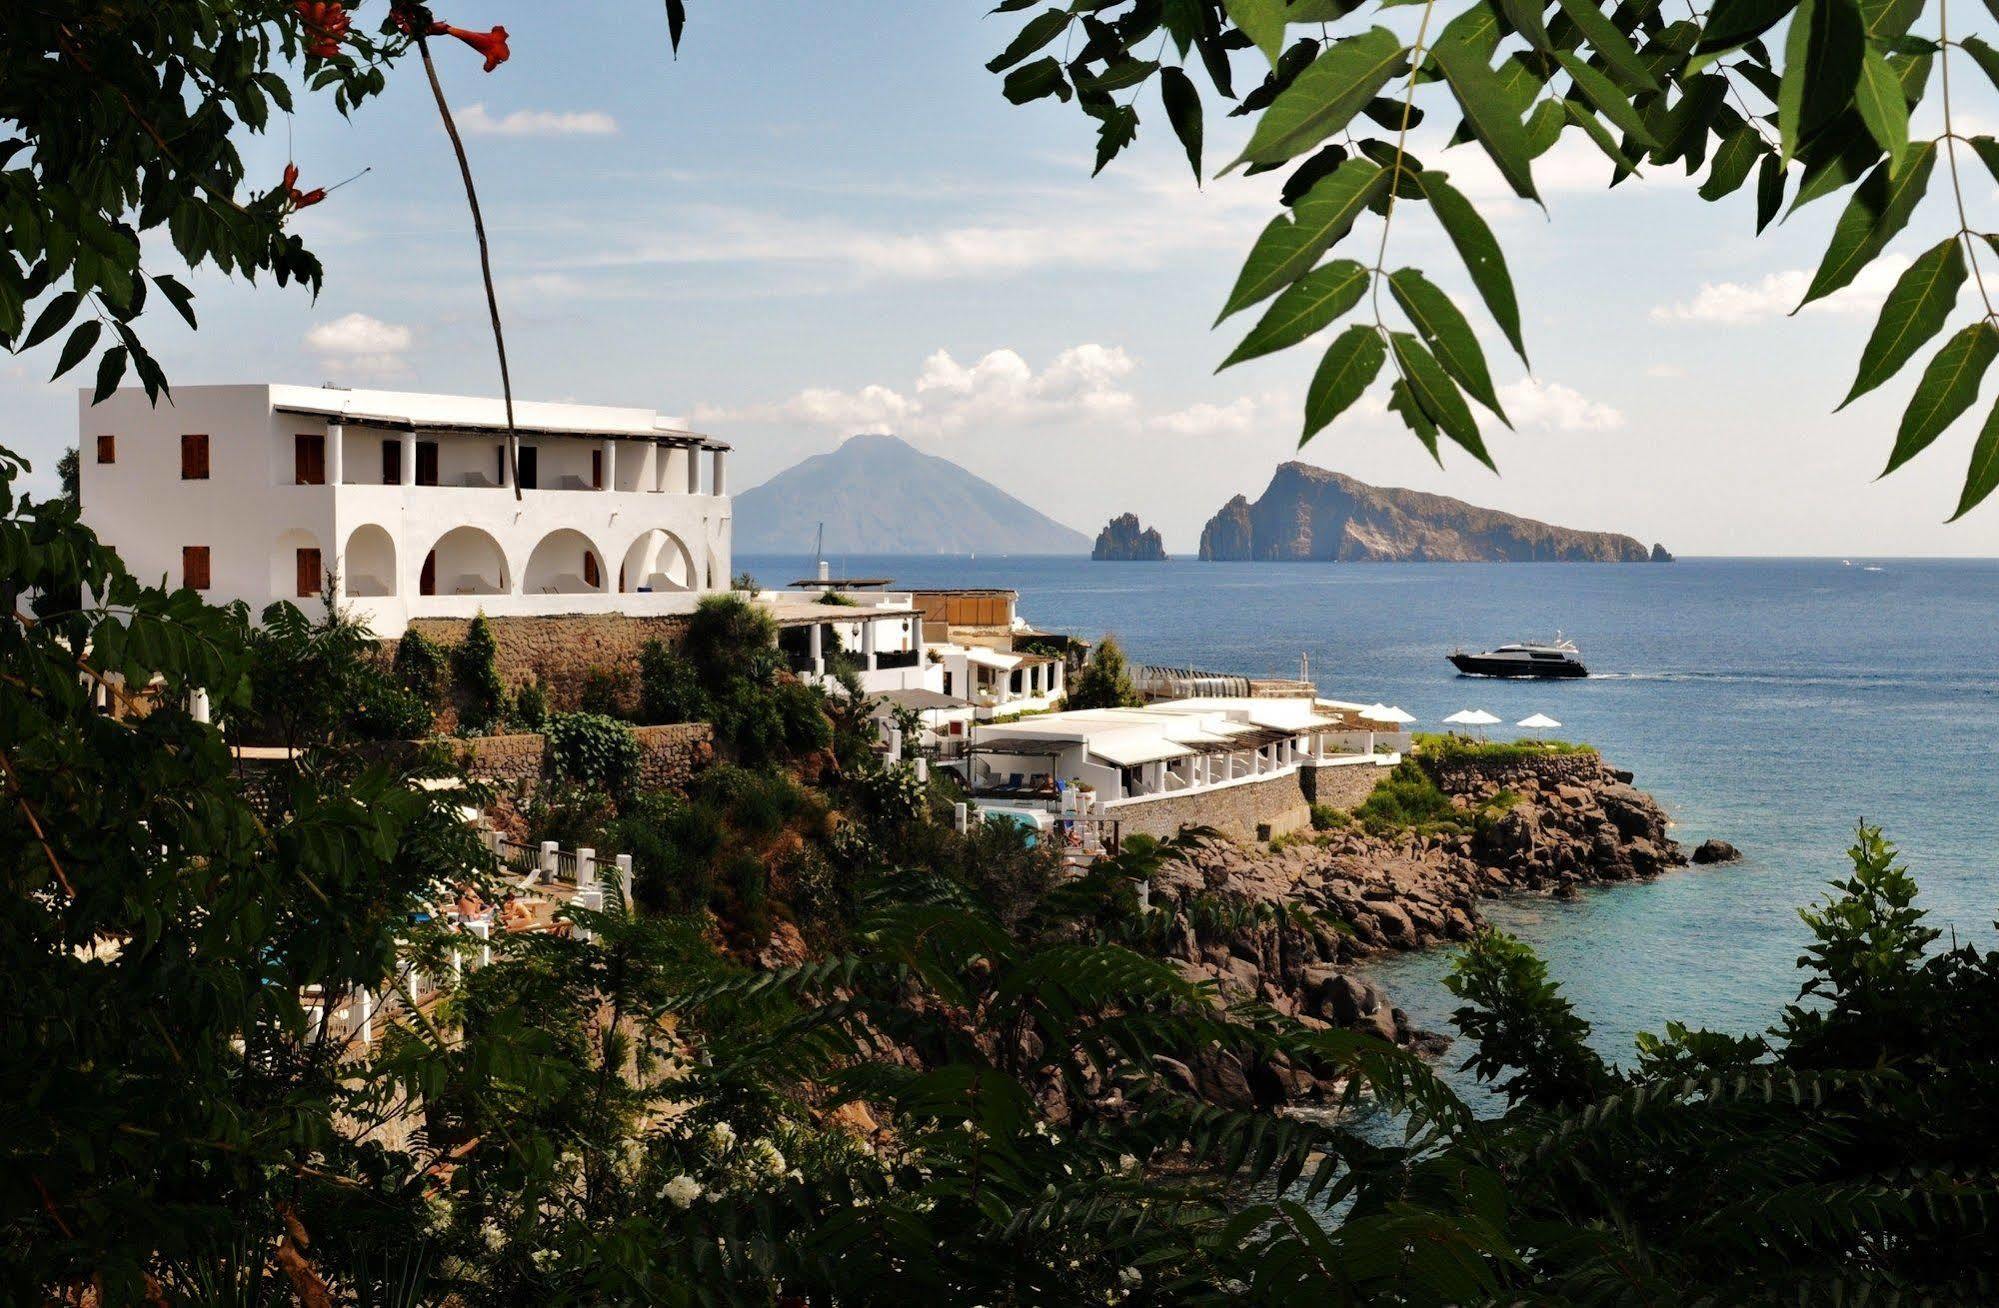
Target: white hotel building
{"type": "Point", "coordinates": [262, 492]}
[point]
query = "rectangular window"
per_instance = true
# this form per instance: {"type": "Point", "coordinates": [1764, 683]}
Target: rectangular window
{"type": "Point", "coordinates": [530, 461]}
{"type": "Point", "coordinates": [392, 462]}
{"type": "Point", "coordinates": [597, 470]}
{"type": "Point", "coordinates": [426, 463]}
{"type": "Point", "coordinates": [194, 567]}
{"type": "Point", "coordinates": [308, 574]}
{"type": "Point", "coordinates": [107, 449]}
{"type": "Point", "coordinates": [309, 459]}
{"type": "Point", "coordinates": [194, 457]}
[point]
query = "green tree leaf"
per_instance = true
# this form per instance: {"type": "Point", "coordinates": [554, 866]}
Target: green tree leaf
{"type": "Point", "coordinates": [1183, 111]}
{"type": "Point", "coordinates": [1293, 242]}
{"type": "Point", "coordinates": [1882, 108]}
{"type": "Point", "coordinates": [1343, 376]}
{"type": "Point", "coordinates": [1983, 474]}
{"type": "Point", "coordinates": [1036, 80]}
{"type": "Point", "coordinates": [1402, 402]}
{"type": "Point", "coordinates": [1484, 260]}
{"type": "Point", "coordinates": [1040, 30]}
{"type": "Point", "coordinates": [1879, 210]}
{"type": "Point", "coordinates": [1603, 93]}
{"type": "Point", "coordinates": [1915, 311]}
{"type": "Point", "coordinates": [177, 295]}
{"type": "Point", "coordinates": [1821, 67]}
{"type": "Point", "coordinates": [1444, 329]}
{"type": "Point", "coordinates": [1732, 162]}
{"type": "Point", "coordinates": [1769, 190]}
{"type": "Point", "coordinates": [1609, 41]}
{"type": "Point", "coordinates": [1490, 114]}
{"type": "Point", "coordinates": [1731, 23]}
{"type": "Point", "coordinates": [1262, 21]}
{"type": "Point", "coordinates": [1984, 56]}
{"type": "Point", "coordinates": [55, 316]}
{"type": "Point", "coordinates": [1308, 304]}
{"type": "Point", "coordinates": [1949, 386]}
{"type": "Point", "coordinates": [110, 370]}
{"type": "Point", "coordinates": [1325, 97]}
{"type": "Point", "coordinates": [1525, 16]}
{"type": "Point", "coordinates": [77, 346]}
{"type": "Point", "coordinates": [1438, 397]}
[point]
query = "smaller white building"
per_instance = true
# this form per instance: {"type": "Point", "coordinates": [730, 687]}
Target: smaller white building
{"type": "Point", "coordinates": [1174, 747]}
{"type": "Point", "coordinates": [877, 632]}
{"type": "Point", "coordinates": [406, 501]}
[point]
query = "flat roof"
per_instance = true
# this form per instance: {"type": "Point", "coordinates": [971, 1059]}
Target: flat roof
{"type": "Point", "coordinates": [1035, 746]}
{"type": "Point", "coordinates": [854, 583]}
{"type": "Point", "coordinates": [483, 414]}
{"type": "Point", "coordinates": [919, 697]}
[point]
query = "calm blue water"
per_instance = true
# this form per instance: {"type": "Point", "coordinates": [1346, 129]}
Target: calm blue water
{"type": "Point", "coordinates": [1771, 703]}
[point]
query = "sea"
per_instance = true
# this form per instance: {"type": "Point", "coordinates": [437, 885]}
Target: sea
{"type": "Point", "coordinates": [1772, 703]}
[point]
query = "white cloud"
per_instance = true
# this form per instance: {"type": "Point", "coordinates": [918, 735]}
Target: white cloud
{"type": "Point", "coordinates": [474, 120]}
{"type": "Point", "coordinates": [1532, 403]}
{"type": "Point", "coordinates": [1776, 294]}
{"type": "Point", "coordinates": [1236, 418]}
{"type": "Point", "coordinates": [998, 388]}
{"type": "Point", "coordinates": [359, 345]}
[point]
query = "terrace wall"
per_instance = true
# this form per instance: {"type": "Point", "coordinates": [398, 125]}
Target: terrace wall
{"type": "Point", "coordinates": [559, 652]}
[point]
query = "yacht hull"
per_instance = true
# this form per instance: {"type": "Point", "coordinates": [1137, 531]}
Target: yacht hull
{"type": "Point", "coordinates": [1482, 665]}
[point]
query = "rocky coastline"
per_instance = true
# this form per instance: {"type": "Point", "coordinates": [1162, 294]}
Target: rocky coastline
{"type": "Point", "coordinates": [1125, 540]}
{"type": "Point", "coordinates": [1538, 826]}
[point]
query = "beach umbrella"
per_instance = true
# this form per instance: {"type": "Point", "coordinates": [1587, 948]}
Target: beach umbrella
{"type": "Point", "coordinates": [1473, 718]}
{"type": "Point", "coordinates": [1538, 722]}
{"type": "Point", "coordinates": [1383, 713]}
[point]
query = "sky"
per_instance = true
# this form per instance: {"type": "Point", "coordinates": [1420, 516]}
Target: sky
{"type": "Point", "coordinates": [824, 219]}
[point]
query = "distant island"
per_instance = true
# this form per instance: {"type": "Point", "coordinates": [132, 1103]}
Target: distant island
{"type": "Point", "coordinates": [1309, 513]}
{"type": "Point", "coordinates": [879, 494]}
{"type": "Point", "coordinates": [1123, 540]}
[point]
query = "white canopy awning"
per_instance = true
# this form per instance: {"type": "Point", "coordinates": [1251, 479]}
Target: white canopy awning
{"type": "Point", "coordinates": [1472, 718]}
{"type": "Point", "coordinates": [1386, 713]}
{"type": "Point", "coordinates": [1538, 722]}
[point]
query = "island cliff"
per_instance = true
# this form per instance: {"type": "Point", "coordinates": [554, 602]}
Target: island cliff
{"type": "Point", "coordinates": [1309, 513]}
{"type": "Point", "coordinates": [1123, 540]}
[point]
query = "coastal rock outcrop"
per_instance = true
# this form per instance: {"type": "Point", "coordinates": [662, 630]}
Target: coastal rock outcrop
{"type": "Point", "coordinates": [1554, 826]}
{"type": "Point", "coordinates": [1125, 540]}
{"type": "Point", "coordinates": [1309, 513]}
{"type": "Point", "coordinates": [1716, 851]}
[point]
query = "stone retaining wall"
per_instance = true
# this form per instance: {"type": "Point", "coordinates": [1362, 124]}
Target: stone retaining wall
{"type": "Point", "coordinates": [669, 756]}
{"type": "Point", "coordinates": [1236, 810]}
{"type": "Point", "coordinates": [1465, 774]}
{"type": "Point", "coordinates": [559, 652]}
{"type": "Point", "coordinates": [1341, 787]}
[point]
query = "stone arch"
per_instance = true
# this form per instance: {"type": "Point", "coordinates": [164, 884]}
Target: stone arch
{"type": "Point", "coordinates": [564, 562]}
{"type": "Point", "coordinates": [298, 566]}
{"type": "Point", "coordinates": [658, 560]}
{"type": "Point", "coordinates": [368, 564]}
{"type": "Point", "coordinates": [465, 561]}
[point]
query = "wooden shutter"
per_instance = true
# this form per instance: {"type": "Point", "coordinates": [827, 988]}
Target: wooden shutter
{"type": "Point", "coordinates": [597, 469]}
{"type": "Point", "coordinates": [426, 463]}
{"type": "Point", "coordinates": [194, 567]}
{"type": "Point", "coordinates": [107, 449]}
{"type": "Point", "coordinates": [392, 462]}
{"type": "Point", "coordinates": [529, 459]}
{"type": "Point", "coordinates": [591, 576]}
{"type": "Point", "coordinates": [194, 457]}
{"type": "Point", "coordinates": [309, 459]}
{"type": "Point", "coordinates": [308, 574]}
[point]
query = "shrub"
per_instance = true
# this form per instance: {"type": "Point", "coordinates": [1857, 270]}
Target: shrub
{"type": "Point", "coordinates": [594, 750]}
{"type": "Point", "coordinates": [476, 676]}
{"type": "Point", "coordinates": [1327, 818]}
{"type": "Point", "coordinates": [419, 667]}
{"type": "Point", "coordinates": [530, 710]}
{"type": "Point", "coordinates": [1408, 800]}
{"type": "Point", "coordinates": [570, 814]}
{"type": "Point", "coordinates": [893, 798]}
{"type": "Point", "coordinates": [668, 689]}
{"type": "Point", "coordinates": [1105, 681]}
{"type": "Point", "coordinates": [606, 692]}
{"type": "Point", "coordinates": [384, 710]}
{"type": "Point", "coordinates": [1439, 746]}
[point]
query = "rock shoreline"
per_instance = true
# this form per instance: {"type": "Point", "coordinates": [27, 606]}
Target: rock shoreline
{"type": "Point", "coordinates": [1548, 826]}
